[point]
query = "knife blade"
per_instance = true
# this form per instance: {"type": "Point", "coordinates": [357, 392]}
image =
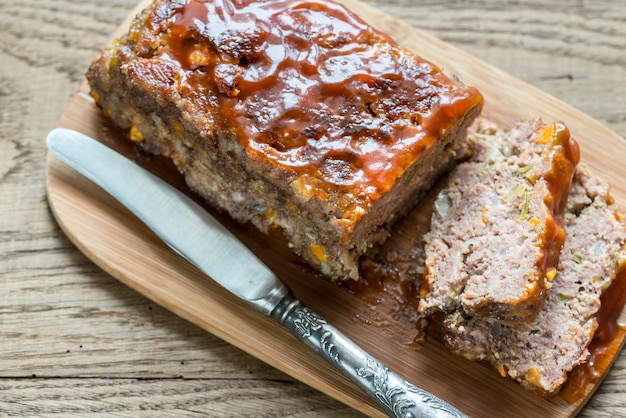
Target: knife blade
{"type": "Point", "coordinates": [207, 244]}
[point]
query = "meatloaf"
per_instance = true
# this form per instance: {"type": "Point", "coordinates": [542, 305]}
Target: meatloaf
{"type": "Point", "coordinates": [496, 232]}
{"type": "Point", "coordinates": [541, 354]}
{"type": "Point", "coordinates": [291, 114]}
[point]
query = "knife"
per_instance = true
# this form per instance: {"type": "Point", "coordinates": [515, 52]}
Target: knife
{"type": "Point", "coordinates": [203, 241]}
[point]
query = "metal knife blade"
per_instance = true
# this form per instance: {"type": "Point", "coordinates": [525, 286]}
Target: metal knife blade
{"type": "Point", "coordinates": [153, 201]}
{"type": "Point", "coordinates": [207, 244]}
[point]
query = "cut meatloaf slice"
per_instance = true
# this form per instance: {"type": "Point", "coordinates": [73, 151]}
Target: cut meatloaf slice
{"type": "Point", "coordinates": [496, 231]}
{"type": "Point", "coordinates": [291, 114]}
{"type": "Point", "coordinates": [540, 355]}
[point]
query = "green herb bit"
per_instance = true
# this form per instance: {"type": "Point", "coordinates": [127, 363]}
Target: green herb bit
{"type": "Point", "coordinates": [562, 297]}
{"type": "Point", "coordinates": [578, 258]}
{"type": "Point", "coordinates": [524, 208]}
{"type": "Point", "coordinates": [409, 177]}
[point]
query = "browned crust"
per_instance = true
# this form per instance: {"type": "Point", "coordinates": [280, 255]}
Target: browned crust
{"type": "Point", "coordinates": [330, 228]}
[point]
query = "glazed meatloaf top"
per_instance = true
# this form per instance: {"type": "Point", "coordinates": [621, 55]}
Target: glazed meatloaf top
{"type": "Point", "coordinates": [300, 99]}
{"type": "Point", "coordinates": [541, 354]}
{"type": "Point", "coordinates": [496, 232]}
{"type": "Point", "coordinates": [306, 87]}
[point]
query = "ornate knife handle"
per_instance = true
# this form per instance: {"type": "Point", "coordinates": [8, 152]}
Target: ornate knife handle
{"type": "Point", "coordinates": [396, 396]}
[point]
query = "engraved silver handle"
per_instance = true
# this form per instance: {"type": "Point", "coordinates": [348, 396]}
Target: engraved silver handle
{"type": "Point", "coordinates": [396, 396]}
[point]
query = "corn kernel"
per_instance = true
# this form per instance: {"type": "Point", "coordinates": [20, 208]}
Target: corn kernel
{"type": "Point", "coordinates": [135, 134]}
{"type": "Point", "coordinates": [501, 370]}
{"type": "Point", "coordinates": [532, 376]}
{"type": "Point", "coordinates": [319, 253]}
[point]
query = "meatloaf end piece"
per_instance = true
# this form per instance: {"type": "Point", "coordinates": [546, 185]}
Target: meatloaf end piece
{"type": "Point", "coordinates": [291, 114]}
{"type": "Point", "coordinates": [496, 231]}
{"type": "Point", "coordinates": [541, 354]}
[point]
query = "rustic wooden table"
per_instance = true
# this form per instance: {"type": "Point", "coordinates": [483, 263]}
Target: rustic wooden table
{"type": "Point", "coordinates": [75, 342]}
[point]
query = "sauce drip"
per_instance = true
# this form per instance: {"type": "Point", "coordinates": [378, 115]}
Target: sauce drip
{"type": "Point", "coordinates": [605, 344]}
{"type": "Point", "coordinates": [308, 87]}
{"type": "Point", "coordinates": [564, 155]}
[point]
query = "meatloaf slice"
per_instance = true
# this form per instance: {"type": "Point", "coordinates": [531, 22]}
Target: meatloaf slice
{"type": "Point", "coordinates": [291, 114]}
{"type": "Point", "coordinates": [541, 354]}
{"type": "Point", "coordinates": [496, 233]}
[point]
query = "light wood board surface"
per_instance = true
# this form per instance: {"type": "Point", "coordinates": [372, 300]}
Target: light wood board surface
{"type": "Point", "coordinates": [75, 341]}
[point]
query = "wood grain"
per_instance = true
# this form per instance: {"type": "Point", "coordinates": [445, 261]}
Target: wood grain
{"type": "Point", "coordinates": [52, 299]}
{"type": "Point", "coordinates": [120, 245]}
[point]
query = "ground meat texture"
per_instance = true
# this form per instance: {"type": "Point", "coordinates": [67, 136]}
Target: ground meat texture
{"type": "Point", "coordinates": [541, 354]}
{"type": "Point", "coordinates": [291, 114]}
{"type": "Point", "coordinates": [496, 231]}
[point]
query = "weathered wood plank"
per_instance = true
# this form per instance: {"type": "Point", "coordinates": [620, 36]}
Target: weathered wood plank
{"type": "Point", "coordinates": [183, 397]}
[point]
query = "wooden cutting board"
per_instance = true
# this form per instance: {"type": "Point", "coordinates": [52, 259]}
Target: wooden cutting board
{"type": "Point", "coordinates": [116, 241]}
